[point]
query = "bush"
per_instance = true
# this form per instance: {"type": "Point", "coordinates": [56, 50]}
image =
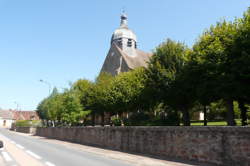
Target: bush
{"type": "Point", "coordinates": [28, 123]}
{"type": "Point", "coordinates": [148, 119]}
{"type": "Point", "coordinates": [116, 121]}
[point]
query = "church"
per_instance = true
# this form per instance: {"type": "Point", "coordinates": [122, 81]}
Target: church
{"type": "Point", "coordinates": [123, 54]}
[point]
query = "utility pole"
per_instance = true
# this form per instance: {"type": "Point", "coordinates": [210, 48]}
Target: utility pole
{"type": "Point", "coordinates": [17, 105]}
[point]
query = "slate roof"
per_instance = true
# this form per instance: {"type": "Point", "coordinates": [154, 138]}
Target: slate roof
{"type": "Point", "coordinates": [118, 61]}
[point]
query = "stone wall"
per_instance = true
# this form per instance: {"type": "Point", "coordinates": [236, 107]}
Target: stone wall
{"type": "Point", "coordinates": [228, 146]}
{"type": "Point", "coordinates": [30, 130]}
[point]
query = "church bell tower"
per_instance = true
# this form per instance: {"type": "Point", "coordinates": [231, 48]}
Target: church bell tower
{"type": "Point", "coordinates": [125, 38]}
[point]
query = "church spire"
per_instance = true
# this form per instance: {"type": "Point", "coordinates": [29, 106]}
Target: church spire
{"type": "Point", "coordinates": [124, 19]}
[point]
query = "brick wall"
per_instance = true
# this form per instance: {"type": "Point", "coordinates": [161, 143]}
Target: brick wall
{"type": "Point", "coordinates": [228, 146]}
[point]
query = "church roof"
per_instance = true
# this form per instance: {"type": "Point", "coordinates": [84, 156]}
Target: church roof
{"type": "Point", "coordinates": [138, 61]}
{"type": "Point", "coordinates": [118, 61]}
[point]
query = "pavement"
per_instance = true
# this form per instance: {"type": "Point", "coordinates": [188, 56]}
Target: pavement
{"type": "Point", "coordinates": [26, 150]}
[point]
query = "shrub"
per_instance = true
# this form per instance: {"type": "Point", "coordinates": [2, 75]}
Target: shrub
{"type": "Point", "coordinates": [28, 123]}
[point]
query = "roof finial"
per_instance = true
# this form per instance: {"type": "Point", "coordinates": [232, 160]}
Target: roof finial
{"type": "Point", "coordinates": [123, 18]}
{"type": "Point", "coordinates": [123, 10]}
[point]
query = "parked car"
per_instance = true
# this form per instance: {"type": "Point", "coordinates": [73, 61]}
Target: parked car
{"type": "Point", "coordinates": [1, 144]}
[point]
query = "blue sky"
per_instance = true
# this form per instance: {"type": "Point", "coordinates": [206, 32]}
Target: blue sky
{"type": "Point", "coordinates": [61, 41]}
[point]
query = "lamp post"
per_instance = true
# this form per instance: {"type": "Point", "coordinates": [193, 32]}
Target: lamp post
{"type": "Point", "coordinates": [47, 84]}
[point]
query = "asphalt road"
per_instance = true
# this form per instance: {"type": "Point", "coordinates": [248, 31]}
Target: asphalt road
{"type": "Point", "coordinates": [21, 149]}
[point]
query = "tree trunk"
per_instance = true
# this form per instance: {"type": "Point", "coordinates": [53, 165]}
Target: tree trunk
{"type": "Point", "coordinates": [205, 115]}
{"type": "Point", "coordinates": [186, 117]}
{"type": "Point", "coordinates": [103, 114]}
{"type": "Point", "coordinates": [93, 119]}
{"type": "Point", "coordinates": [121, 118]}
{"type": "Point", "coordinates": [230, 112]}
{"type": "Point", "coordinates": [53, 123]}
{"type": "Point", "coordinates": [178, 123]}
{"type": "Point", "coordinates": [243, 113]}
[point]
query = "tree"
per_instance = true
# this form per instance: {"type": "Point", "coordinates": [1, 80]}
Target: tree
{"type": "Point", "coordinates": [168, 60]}
{"type": "Point", "coordinates": [213, 52]}
{"type": "Point", "coordinates": [125, 92]}
{"type": "Point", "coordinates": [49, 108]}
{"type": "Point", "coordinates": [239, 62]}
{"type": "Point", "coordinates": [96, 97]}
{"type": "Point", "coordinates": [73, 113]}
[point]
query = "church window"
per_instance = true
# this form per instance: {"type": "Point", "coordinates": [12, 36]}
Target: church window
{"type": "Point", "coordinates": [129, 43]}
{"type": "Point", "coordinates": [120, 41]}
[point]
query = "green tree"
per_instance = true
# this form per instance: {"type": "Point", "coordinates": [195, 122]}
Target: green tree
{"type": "Point", "coordinates": [213, 51]}
{"type": "Point", "coordinates": [96, 98]}
{"type": "Point", "coordinates": [73, 113]}
{"type": "Point", "coordinates": [49, 108]}
{"type": "Point", "coordinates": [168, 60]}
{"type": "Point", "coordinates": [239, 62]}
{"type": "Point", "coordinates": [125, 92]}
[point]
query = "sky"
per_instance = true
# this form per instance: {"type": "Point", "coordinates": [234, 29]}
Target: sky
{"type": "Point", "coordinates": [61, 41]}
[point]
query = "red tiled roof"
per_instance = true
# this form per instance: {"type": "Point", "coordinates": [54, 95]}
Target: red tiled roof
{"type": "Point", "coordinates": [25, 115]}
{"type": "Point", "coordinates": [6, 114]}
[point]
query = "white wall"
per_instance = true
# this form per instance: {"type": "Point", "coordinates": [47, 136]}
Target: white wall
{"type": "Point", "coordinates": [7, 122]}
{"type": "Point", "coordinates": [201, 116]}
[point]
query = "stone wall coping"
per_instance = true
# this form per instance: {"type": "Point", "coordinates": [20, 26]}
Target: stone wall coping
{"type": "Point", "coordinates": [245, 129]}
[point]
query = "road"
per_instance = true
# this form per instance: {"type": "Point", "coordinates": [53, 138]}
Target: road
{"type": "Point", "coordinates": [21, 150]}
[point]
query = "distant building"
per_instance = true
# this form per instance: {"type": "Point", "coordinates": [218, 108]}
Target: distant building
{"type": "Point", "coordinates": [25, 115]}
{"type": "Point", "coordinates": [7, 117]}
{"type": "Point", "coordinates": [123, 54]}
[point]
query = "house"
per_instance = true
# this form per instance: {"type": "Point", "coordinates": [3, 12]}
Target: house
{"type": "Point", "coordinates": [7, 117]}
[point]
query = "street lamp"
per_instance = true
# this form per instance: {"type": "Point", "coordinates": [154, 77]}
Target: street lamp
{"type": "Point", "coordinates": [47, 84]}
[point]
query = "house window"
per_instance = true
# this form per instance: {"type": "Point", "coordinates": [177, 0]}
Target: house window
{"type": "Point", "coordinates": [129, 43]}
{"type": "Point", "coordinates": [135, 45]}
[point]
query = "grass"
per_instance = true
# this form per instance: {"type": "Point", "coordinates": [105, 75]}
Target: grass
{"type": "Point", "coordinates": [215, 123]}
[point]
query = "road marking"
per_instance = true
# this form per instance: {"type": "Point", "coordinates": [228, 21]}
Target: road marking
{"type": "Point", "coordinates": [6, 156]}
{"type": "Point", "coordinates": [13, 142]}
{"type": "Point", "coordinates": [33, 154]}
{"type": "Point", "coordinates": [5, 137]}
{"type": "Point", "coordinates": [49, 164]}
{"type": "Point", "coordinates": [20, 146]}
